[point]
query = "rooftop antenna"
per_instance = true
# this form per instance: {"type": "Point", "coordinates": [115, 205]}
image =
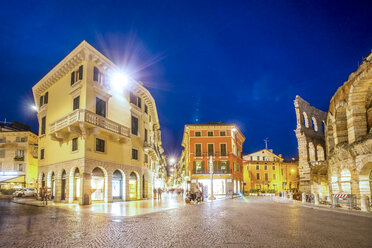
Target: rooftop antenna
{"type": "Point", "coordinates": [266, 141]}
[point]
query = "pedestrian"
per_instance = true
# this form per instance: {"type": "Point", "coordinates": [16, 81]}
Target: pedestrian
{"type": "Point", "coordinates": [154, 193]}
{"type": "Point", "coordinates": [159, 193]}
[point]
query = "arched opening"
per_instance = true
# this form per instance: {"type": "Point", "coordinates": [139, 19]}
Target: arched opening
{"type": "Point", "coordinates": [63, 186]}
{"type": "Point", "coordinates": [76, 185]}
{"type": "Point", "coordinates": [323, 126]}
{"type": "Point", "coordinates": [320, 152]}
{"type": "Point", "coordinates": [341, 125]}
{"type": "Point", "coordinates": [311, 152]}
{"type": "Point", "coordinates": [305, 119]}
{"type": "Point", "coordinates": [365, 180]}
{"type": "Point", "coordinates": [345, 181]}
{"type": "Point", "coordinates": [98, 184]}
{"type": "Point", "coordinates": [334, 184]}
{"type": "Point", "coordinates": [330, 142]}
{"type": "Point", "coordinates": [133, 191]}
{"type": "Point", "coordinates": [315, 124]}
{"type": "Point", "coordinates": [117, 185]}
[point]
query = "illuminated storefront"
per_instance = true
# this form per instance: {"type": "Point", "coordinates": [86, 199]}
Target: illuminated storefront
{"type": "Point", "coordinates": [97, 185]}
{"type": "Point", "coordinates": [133, 186]}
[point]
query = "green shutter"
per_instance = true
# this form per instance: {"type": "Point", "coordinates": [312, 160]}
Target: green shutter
{"type": "Point", "coordinates": [72, 78]}
{"type": "Point", "coordinates": [202, 166]}
{"type": "Point", "coordinates": [81, 72]}
{"type": "Point", "coordinates": [194, 167]}
{"type": "Point", "coordinates": [227, 166]}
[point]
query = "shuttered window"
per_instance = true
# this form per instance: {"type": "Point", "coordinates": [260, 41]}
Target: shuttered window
{"type": "Point", "coordinates": [134, 125]}
{"type": "Point", "coordinates": [198, 151]}
{"type": "Point", "coordinates": [46, 98]}
{"type": "Point", "coordinates": [42, 153]}
{"type": "Point", "coordinates": [210, 150]}
{"type": "Point", "coordinates": [134, 154]}
{"type": "Point", "coordinates": [41, 102]}
{"type": "Point", "coordinates": [223, 150]}
{"type": "Point", "coordinates": [72, 78]}
{"type": "Point", "coordinates": [100, 145]}
{"type": "Point", "coordinates": [74, 145]}
{"type": "Point", "coordinates": [76, 103]}
{"type": "Point", "coordinates": [100, 107]}
{"type": "Point", "coordinates": [43, 124]}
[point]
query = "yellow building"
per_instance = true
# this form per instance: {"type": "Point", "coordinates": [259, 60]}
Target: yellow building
{"type": "Point", "coordinates": [18, 156]}
{"type": "Point", "coordinates": [99, 132]}
{"type": "Point", "coordinates": [265, 171]}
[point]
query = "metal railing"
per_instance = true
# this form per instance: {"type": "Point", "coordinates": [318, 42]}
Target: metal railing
{"type": "Point", "coordinates": [83, 115]}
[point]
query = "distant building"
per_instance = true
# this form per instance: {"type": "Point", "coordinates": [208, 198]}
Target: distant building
{"type": "Point", "coordinates": [224, 143]}
{"type": "Point", "coordinates": [99, 132]}
{"type": "Point", "coordinates": [266, 171]}
{"type": "Point", "coordinates": [18, 156]}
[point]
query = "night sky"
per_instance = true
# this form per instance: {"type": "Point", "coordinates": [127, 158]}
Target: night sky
{"type": "Point", "coordinates": [203, 61]}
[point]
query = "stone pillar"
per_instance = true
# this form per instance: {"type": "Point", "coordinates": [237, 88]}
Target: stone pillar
{"type": "Point", "coordinates": [316, 199]}
{"type": "Point", "coordinates": [108, 198]}
{"type": "Point", "coordinates": [303, 197]}
{"type": "Point", "coordinates": [58, 182]}
{"type": "Point", "coordinates": [127, 187]}
{"type": "Point", "coordinates": [354, 185]}
{"type": "Point", "coordinates": [364, 204]}
{"type": "Point", "coordinates": [86, 195]}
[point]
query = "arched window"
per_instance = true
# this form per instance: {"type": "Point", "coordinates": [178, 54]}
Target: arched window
{"type": "Point", "coordinates": [311, 152]}
{"type": "Point", "coordinates": [323, 125]}
{"type": "Point", "coordinates": [320, 153]}
{"type": "Point", "coordinates": [306, 122]}
{"type": "Point", "coordinates": [315, 125]}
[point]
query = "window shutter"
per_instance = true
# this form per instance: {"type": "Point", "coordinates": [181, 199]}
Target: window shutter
{"type": "Point", "coordinates": [81, 72]}
{"type": "Point", "coordinates": [227, 165]}
{"type": "Point", "coordinates": [72, 78]}
{"type": "Point", "coordinates": [46, 98]}
{"type": "Point", "coordinates": [194, 167]}
{"type": "Point", "coordinates": [202, 166]}
{"type": "Point", "coordinates": [214, 166]}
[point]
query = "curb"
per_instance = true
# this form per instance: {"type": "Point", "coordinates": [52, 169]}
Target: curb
{"type": "Point", "coordinates": [27, 203]}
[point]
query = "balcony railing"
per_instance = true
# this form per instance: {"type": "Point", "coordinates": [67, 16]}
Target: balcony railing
{"type": "Point", "coordinates": [218, 172]}
{"type": "Point", "coordinates": [86, 116]}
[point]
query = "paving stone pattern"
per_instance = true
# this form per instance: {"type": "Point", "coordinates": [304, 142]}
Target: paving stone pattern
{"type": "Point", "coordinates": [228, 223]}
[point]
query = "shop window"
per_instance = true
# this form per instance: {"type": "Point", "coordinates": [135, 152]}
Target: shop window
{"type": "Point", "coordinates": [100, 145]}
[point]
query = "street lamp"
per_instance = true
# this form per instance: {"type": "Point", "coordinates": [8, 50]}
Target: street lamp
{"type": "Point", "coordinates": [34, 108]}
{"type": "Point", "coordinates": [172, 160]}
{"type": "Point", "coordinates": [119, 81]}
{"type": "Point", "coordinates": [211, 170]}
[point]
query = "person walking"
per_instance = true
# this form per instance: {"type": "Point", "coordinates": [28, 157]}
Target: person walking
{"type": "Point", "coordinates": [159, 193]}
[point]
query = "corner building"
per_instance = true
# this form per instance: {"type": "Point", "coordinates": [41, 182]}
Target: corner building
{"type": "Point", "coordinates": [96, 143]}
{"type": "Point", "coordinates": [224, 142]}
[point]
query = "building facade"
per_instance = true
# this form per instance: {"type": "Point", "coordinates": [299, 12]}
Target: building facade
{"type": "Point", "coordinates": [265, 171]}
{"type": "Point", "coordinates": [224, 143]}
{"type": "Point", "coordinates": [99, 132]}
{"type": "Point", "coordinates": [18, 156]}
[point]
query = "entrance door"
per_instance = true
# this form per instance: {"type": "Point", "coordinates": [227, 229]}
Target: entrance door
{"type": "Point", "coordinates": [76, 184]}
{"type": "Point", "coordinates": [97, 184]}
{"type": "Point", "coordinates": [133, 186]}
{"type": "Point", "coordinates": [117, 185]}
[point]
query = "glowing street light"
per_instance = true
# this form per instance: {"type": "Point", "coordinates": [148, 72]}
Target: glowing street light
{"type": "Point", "coordinates": [233, 129]}
{"type": "Point", "coordinates": [119, 81]}
{"type": "Point", "coordinates": [172, 160]}
{"type": "Point", "coordinates": [34, 108]}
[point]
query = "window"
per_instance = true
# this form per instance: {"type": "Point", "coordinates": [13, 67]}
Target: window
{"type": "Point", "coordinates": [134, 125]}
{"type": "Point", "coordinates": [146, 110]}
{"type": "Point", "coordinates": [146, 158]}
{"type": "Point", "coordinates": [197, 134]}
{"type": "Point", "coordinates": [74, 144]}
{"type": "Point", "coordinates": [21, 167]}
{"type": "Point", "coordinates": [42, 151]}
{"type": "Point", "coordinates": [20, 155]}
{"type": "Point", "coordinates": [43, 123]}
{"type": "Point", "coordinates": [274, 176]}
{"type": "Point", "coordinates": [96, 74]}
{"type": "Point", "coordinates": [257, 167]}
{"type": "Point", "coordinates": [223, 150]}
{"type": "Point", "coordinates": [258, 158]}
{"type": "Point", "coordinates": [100, 107]}
{"type": "Point", "coordinates": [222, 133]}
{"type": "Point", "coordinates": [41, 101]}
{"type": "Point", "coordinates": [17, 139]}
{"type": "Point", "coordinates": [24, 139]}
{"type": "Point", "coordinates": [198, 151]}
{"type": "Point", "coordinates": [274, 167]}
{"type": "Point", "coordinates": [265, 167]}
{"type": "Point", "coordinates": [210, 150]}
{"type": "Point", "coordinates": [266, 177]}
{"type": "Point", "coordinates": [223, 166]}
{"type": "Point", "coordinates": [46, 96]}
{"type": "Point", "coordinates": [3, 140]}
{"type": "Point", "coordinates": [100, 145]}
{"type": "Point", "coordinates": [210, 133]}
{"type": "Point", "coordinates": [139, 102]}
{"type": "Point", "coordinates": [145, 135]}
{"type": "Point", "coordinates": [2, 153]}
{"type": "Point", "coordinates": [258, 176]}
{"type": "Point", "coordinates": [132, 98]}
{"type": "Point", "coordinates": [77, 75]}
{"type": "Point", "coordinates": [134, 154]}
{"type": "Point", "coordinates": [76, 103]}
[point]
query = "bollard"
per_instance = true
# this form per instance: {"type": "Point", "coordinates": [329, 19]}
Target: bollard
{"type": "Point", "coordinates": [364, 203]}
{"type": "Point", "coordinates": [285, 195]}
{"type": "Point", "coordinates": [316, 199]}
{"type": "Point", "coordinates": [303, 197]}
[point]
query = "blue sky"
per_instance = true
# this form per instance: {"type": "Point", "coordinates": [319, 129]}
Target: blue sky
{"type": "Point", "coordinates": [203, 61]}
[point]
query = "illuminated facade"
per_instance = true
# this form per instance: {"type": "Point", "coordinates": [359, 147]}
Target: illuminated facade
{"type": "Point", "coordinates": [99, 132]}
{"type": "Point", "coordinates": [18, 156]}
{"type": "Point", "coordinates": [266, 171]}
{"type": "Point", "coordinates": [224, 142]}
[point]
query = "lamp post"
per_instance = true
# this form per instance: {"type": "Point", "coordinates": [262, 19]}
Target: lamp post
{"type": "Point", "coordinates": [211, 173]}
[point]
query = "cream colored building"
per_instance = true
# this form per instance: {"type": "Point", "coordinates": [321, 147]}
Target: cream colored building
{"type": "Point", "coordinates": [18, 156]}
{"type": "Point", "coordinates": [99, 132]}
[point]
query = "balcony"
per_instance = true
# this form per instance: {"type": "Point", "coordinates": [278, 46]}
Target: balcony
{"type": "Point", "coordinates": [218, 172]}
{"type": "Point", "coordinates": [86, 123]}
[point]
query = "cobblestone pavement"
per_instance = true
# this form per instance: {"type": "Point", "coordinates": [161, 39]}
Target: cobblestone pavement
{"type": "Point", "coordinates": [254, 222]}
